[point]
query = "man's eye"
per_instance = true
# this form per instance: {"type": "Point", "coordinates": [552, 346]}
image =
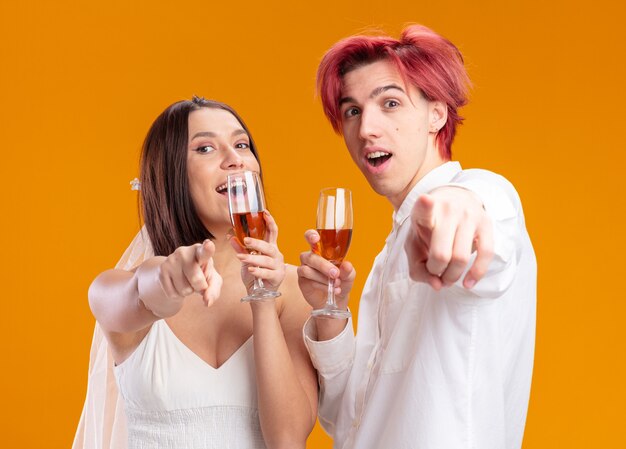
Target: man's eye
{"type": "Point", "coordinates": [242, 146]}
{"type": "Point", "coordinates": [205, 149]}
{"type": "Point", "coordinates": [351, 112]}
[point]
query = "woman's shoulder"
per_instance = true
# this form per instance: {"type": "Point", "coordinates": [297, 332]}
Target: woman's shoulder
{"type": "Point", "coordinates": [291, 294]}
{"type": "Point", "coordinates": [290, 283]}
{"type": "Point", "coordinates": [291, 274]}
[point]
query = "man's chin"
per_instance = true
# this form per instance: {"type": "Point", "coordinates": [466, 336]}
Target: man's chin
{"type": "Point", "coordinates": [381, 188]}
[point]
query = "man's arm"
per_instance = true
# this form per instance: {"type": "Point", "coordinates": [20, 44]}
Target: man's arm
{"type": "Point", "coordinates": [469, 231]}
{"type": "Point", "coordinates": [330, 342]}
{"type": "Point", "coordinates": [333, 360]}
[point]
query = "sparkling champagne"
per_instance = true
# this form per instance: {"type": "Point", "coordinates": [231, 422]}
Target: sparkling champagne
{"type": "Point", "coordinates": [334, 244]}
{"type": "Point", "coordinates": [249, 224]}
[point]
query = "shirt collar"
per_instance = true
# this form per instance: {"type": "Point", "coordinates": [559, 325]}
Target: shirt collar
{"type": "Point", "coordinates": [436, 177]}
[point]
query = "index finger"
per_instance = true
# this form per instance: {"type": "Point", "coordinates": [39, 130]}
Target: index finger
{"type": "Point", "coordinates": [484, 254]}
{"type": "Point", "coordinates": [347, 271]}
{"type": "Point", "coordinates": [423, 213]}
{"type": "Point", "coordinates": [272, 227]}
{"type": "Point", "coordinates": [204, 252]}
{"type": "Point", "coordinates": [318, 263]}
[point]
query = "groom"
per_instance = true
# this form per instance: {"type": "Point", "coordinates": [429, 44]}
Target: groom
{"type": "Point", "coordinates": [444, 350]}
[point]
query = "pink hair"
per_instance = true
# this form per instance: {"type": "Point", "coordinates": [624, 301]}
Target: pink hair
{"type": "Point", "coordinates": [425, 59]}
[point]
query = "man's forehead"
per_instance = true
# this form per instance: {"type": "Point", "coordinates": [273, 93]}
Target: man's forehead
{"type": "Point", "coordinates": [372, 76]}
{"type": "Point", "coordinates": [394, 87]}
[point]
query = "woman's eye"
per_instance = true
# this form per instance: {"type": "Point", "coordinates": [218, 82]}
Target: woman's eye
{"type": "Point", "coordinates": [391, 104]}
{"type": "Point", "coordinates": [242, 146]}
{"type": "Point", "coordinates": [205, 149]}
{"type": "Point", "coordinates": [351, 112]}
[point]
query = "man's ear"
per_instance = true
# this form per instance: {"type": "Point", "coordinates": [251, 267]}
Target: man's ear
{"type": "Point", "coordinates": [438, 112]}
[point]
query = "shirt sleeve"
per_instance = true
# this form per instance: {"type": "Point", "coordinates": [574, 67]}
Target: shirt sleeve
{"type": "Point", "coordinates": [333, 360]}
{"type": "Point", "coordinates": [503, 206]}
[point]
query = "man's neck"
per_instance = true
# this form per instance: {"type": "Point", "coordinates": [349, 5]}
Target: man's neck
{"type": "Point", "coordinates": [429, 165]}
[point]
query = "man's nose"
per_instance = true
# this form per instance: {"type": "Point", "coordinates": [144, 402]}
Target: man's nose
{"type": "Point", "coordinates": [369, 126]}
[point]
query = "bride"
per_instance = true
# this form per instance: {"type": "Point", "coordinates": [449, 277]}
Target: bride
{"type": "Point", "coordinates": [194, 366]}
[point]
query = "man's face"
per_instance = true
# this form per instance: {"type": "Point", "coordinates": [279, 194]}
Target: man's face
{"type": "Point", "coordinates": [387, 127]}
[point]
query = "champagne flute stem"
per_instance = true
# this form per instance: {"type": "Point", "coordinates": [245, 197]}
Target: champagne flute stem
{"type": "Point", "coordinates": [258, 282]}
{"type": "Point", "coordinates": [330, 298]}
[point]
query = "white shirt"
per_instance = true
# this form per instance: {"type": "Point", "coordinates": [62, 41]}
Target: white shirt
{"type": "Point", "coordinates": [436, 370]}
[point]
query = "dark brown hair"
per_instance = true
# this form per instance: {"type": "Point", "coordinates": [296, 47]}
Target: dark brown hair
{"type": "Point", "coordinates": [166, 204]}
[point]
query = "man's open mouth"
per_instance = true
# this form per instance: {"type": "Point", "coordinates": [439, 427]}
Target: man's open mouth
{"type": "Point", "coordinates": [377, 158]}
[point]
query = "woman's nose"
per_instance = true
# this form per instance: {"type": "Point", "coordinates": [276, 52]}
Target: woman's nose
{"type": "Point", "coordinates": [232, 159]}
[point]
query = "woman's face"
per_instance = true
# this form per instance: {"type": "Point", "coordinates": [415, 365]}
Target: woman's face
{"type": "Point", "coordinates": [218, 146]}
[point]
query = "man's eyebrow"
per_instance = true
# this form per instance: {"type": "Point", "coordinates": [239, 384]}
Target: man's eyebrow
{"type": "Point", "coordinates": [379, 90]}
{"type": "Point", "coordinates": [212, 134]}
{"type": "Point", "coordinates": [376, 92]}
{"type": "Point", "coordinates": [346, 100]}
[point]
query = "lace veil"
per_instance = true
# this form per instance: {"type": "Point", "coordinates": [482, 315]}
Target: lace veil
{"type": "Point", "coordinates": [102, 423]}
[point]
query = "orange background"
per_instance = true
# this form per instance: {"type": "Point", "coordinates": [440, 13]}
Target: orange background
{"type": "Point", "coordinates": [81, 82]}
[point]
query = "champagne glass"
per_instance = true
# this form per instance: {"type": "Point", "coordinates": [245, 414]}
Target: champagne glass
{"type": "Point", "coordinates": [334, 225]}
{"type": "Point", "coordinates": [246, 204]}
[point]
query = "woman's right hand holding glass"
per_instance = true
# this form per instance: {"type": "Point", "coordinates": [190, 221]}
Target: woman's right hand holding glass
{"type": "Point", "coordinates": [261, 259]}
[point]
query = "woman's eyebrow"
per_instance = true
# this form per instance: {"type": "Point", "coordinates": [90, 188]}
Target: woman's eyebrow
{"type": "Point", "coordinates": [203, 134]}
{"type": "Point", "coordinates": [212, 134]}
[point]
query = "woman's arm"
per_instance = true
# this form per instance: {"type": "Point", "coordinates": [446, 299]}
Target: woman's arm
{"type": "Point", "coordinates": [114, 298]}
{"type": "Point", "coordinates": [286, 379]}
{"type": "Point", "coordinates": [126, 303]}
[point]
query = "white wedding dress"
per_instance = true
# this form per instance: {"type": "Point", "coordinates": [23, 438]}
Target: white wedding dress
{"type": "Point", "coordinates": [174, 399]}
{"type": "Point", "coordinates": [166, 396]}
